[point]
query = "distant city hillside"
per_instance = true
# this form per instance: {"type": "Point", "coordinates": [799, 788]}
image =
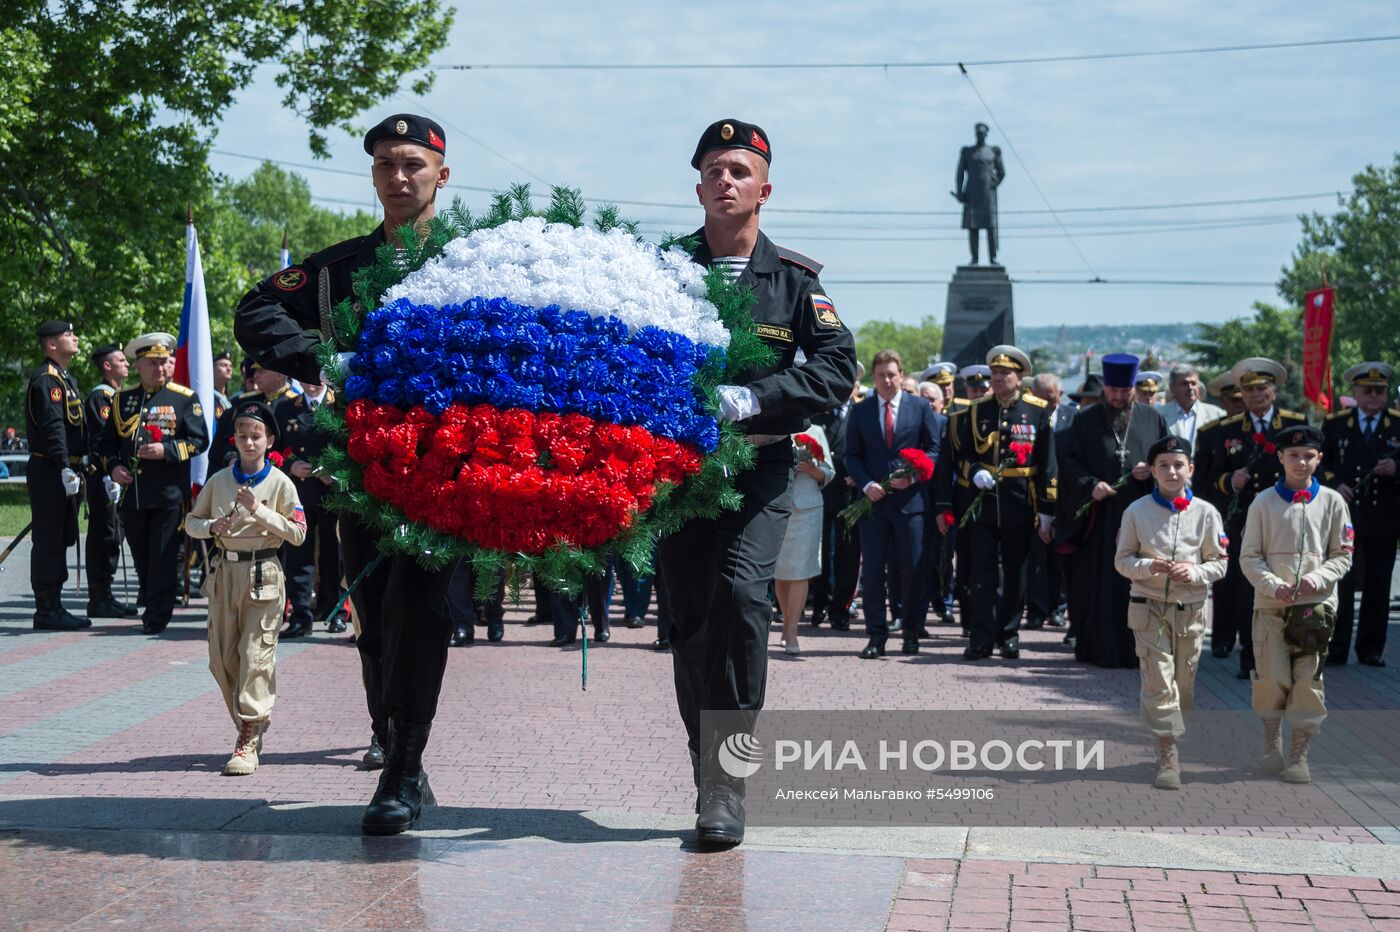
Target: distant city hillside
{"type": "Point", "coordinates": [1062, 349]}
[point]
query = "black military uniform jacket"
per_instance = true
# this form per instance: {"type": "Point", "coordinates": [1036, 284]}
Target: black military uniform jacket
{"type": "Point", "coordinates": [1348, 456]}
{"type": "Point", "coordinates": [979, 437]}
{"type": "Point", "coordinates": [96, 410]}
{"type": "Point", "coordinates": [222, 452]}
{"type": "Point", "coordinates": [282, 319]}
{"type": "Point", "coordinates": [792, 312]}
{"type": "Point", "coordinates": [176, 410]}
{"type": "Point", "coordinates": [301, 440]}
{"type": "Point", "coordinates": [1229, 445]}
{"type": "Point", "coordinates": [53, 417]}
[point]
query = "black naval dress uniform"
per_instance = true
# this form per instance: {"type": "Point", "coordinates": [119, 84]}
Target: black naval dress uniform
{"type": "Point", "coordinates": [53, 418]}
{"type": "Point", "coordinates": [318, 557]}
{"type": "Point", "coordinates": [153, 505]}
{"type": "Point", "coordinates": [997, 542]}
{"type": "Point", "coordinates": [1225, 446]}
{"type": "Point", "coordinates": [401, 607]}
{"type": "Point", "coordinates": [104, 538]}
{"type": "Point", "coordinates": [717, 570]}
{"type": "Point", "coordinates": [1349, 453]}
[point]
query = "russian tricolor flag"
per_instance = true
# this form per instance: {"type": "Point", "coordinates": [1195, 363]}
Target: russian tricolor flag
{"type": "Point", "coordinates": [194, 354]}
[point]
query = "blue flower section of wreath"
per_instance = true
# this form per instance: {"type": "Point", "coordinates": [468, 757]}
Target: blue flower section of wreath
{"type": "Point", "coordinates": [544, 359]}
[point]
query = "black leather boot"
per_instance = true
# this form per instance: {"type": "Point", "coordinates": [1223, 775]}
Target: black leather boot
{"type": "Point", "coordinates": [374, 755]}
{"type": "Point", "coordinates": [49, 614]}
{"type": "Point", "coordinates": [403, 786]}
{"type": "Point", "coordinates": [721, 819]}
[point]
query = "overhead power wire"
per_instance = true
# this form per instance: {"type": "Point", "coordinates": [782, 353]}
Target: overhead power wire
{"type": "Point", "coordinates": [833, 211]}
{"type": "Point", "coordinates": [895, 65]}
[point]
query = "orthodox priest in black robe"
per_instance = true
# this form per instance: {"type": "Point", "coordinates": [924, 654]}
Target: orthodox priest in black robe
{"type": "Point", "coordinates": [1105, 467]}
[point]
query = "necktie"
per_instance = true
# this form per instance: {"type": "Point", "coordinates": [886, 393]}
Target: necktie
{"type": "Point", "coordinates": [1369, 425]}
{"type": "Point", "coordinates": [889, 424]}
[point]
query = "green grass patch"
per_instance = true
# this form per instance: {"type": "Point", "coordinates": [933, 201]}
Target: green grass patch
{"type": "Point", "coordinates": [14, 509]}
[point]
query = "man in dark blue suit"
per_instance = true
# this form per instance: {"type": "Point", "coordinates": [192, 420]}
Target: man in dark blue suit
{"type": "Point", "coordinates": [893, 533]}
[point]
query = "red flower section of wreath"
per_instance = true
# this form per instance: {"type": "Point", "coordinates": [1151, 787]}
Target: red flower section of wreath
{"type": "Point", "coordinates": [513, 480]}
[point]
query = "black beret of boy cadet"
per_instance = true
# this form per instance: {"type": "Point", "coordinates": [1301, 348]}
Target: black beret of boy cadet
{"type": "Point", "coordinates": [1168, 444]}
{"type": "Point", "coordinates": [1304, 435]}
{"type": "Point", "coordinates": [258, 411]}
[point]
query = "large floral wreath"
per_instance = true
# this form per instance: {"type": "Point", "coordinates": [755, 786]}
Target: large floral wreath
{"type": "Point", "coordinates": [534, 391]}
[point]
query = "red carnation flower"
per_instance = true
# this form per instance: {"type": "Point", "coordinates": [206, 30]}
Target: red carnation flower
{"type": "Point", "coordinates": [919, 461]}
{"type": "Point", "coordinates": [1022, 450]}
{"type": "Point", "coordinates": [1259, 438]}
{"type": "Point", "coordinates": [1302, 497]}
{"type": "Point", "coordinates": [1180, 503]}
{"type": "Point", "coordinates": [814, 449]}
{"type": "Point", "coordinates": [274, 458]}
{"type": "Point", "coordinates": [154, 433]}
{"type": "Point", "coordinates": [1270, 447]}
{"type": "Point", "coordinates": [950, 517]}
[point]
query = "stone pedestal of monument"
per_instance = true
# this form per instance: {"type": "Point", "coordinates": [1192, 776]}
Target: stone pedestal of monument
{"type": "Point", "coordinates": [978, 314]}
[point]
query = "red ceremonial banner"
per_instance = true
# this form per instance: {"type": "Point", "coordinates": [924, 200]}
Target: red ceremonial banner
{"type": "Point", "coordinates": [1317, 347]}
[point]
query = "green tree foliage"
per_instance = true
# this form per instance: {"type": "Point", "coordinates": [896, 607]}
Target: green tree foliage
{"type": "Point", "coordinates": [917, 343]}
{"type": "Point", "coordinates": [107, 112]}
{"type": "Point", "coordinates": [1358, 249]}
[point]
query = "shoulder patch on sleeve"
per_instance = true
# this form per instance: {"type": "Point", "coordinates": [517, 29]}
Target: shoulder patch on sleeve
{"type": "Point", "coordinates": [55, 394]}
{"type": "Point", "coordinates": [293, 278]}
{"type": "Point", "coordinates": [825, 311]}
{"type": "Point", "coordinates": [797, 259]}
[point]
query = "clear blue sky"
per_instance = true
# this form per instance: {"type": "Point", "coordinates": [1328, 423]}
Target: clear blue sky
{"type": "Point", "coordinates": [1099, 133]}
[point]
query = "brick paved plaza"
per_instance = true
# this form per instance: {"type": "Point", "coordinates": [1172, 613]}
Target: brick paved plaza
{"type": "Point", "coordinates": [571, 809]}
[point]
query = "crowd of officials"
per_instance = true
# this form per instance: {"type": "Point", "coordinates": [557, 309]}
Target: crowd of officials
{"type": "Point", "coordinates": [1016, 529]}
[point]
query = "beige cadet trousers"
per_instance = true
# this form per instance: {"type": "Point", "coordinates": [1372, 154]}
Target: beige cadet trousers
{"type": "Point", "coordinates": [243, 622]}
{"type": "Point", "coordinates": [1283, 683]}
{"type": "Point", "coordinates": [1168, 638]}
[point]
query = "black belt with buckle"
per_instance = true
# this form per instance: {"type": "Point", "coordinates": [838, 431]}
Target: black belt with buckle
{"type": "Point", "coordinates": [244, 556]}
{"type": "Point", "coordinates": [1139, 600]}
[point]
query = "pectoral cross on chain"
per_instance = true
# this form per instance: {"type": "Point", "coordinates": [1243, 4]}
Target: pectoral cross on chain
{"type": "Point", "coordinates": [1122, 455]}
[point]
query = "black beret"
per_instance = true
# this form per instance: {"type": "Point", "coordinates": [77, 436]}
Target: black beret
{"type": "Point", "coordinates": [258, 411]}
{"type": "Point", "coordinates": [1303, 435]}
{"type": "Point", "coordinates": [1168, 444]}
{"type": "Point", "coordinates": [223, 354]}
{"type": "Point", "coordinates": [407, 127]}
{"type": "Point", "coordinates": [52, 328]}
{"type": "Point", "coordinates": [732, 134]}
{"type": "Point", "coordinates": [102, 352]}
{"type": "Point", "coordinates": [249, 366]}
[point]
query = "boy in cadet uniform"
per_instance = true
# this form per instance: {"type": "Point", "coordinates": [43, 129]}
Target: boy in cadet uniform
{"type": "Point", "coordinates": [1297, 545]}
{"type": "Point", "coordinates": [1172, 546]}
{"type": "Point", "coordinates": [250, 509]}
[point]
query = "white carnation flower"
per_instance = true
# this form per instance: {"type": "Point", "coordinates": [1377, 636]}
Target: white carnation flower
{"type": "Point", "coordinates": [536, 264]}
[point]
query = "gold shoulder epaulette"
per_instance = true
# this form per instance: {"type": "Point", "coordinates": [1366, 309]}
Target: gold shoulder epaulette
{"type": "Point", "coordinates": [1345, 412]}
{"type": "Point", "coordinates": [1301, 417]}
{"type": "Point", "coordinates": [1232, 419]}
{"type": "Point", "coordinates": [1036, 400]}
{"type": "Point", "coordinates": [179, 389]}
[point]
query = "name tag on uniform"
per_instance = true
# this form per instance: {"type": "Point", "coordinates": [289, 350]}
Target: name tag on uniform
{"type": "Point", "coordinates": [773, 332]}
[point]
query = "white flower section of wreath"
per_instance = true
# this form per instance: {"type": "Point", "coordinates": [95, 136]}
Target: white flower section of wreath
{"type": "Point", "coordinates": [536, 264]}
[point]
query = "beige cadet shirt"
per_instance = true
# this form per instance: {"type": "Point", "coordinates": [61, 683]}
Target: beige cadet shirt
{"type": "Point", "coordinates": [1146, 534]}
{"type": "Point", "coordinates": [1269, 554]}
{"type": "Point", "coordinates": [279, 516]}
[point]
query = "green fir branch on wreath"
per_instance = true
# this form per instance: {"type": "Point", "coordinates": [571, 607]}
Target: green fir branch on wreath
{"type": "Point", "coordinates": [561, 568]}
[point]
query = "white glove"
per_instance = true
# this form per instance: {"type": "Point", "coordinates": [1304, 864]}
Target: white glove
{"type": "Point", "coordinates": [984, 480]}
{"type": "Point", "coordinates": [114, 489]}
{"type": "Point", "coordinates": [71, 482]}
{"type": "Point", "coordinates": [736, 402]}
{"type": "Point", "coordinates": [1047, 523]}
